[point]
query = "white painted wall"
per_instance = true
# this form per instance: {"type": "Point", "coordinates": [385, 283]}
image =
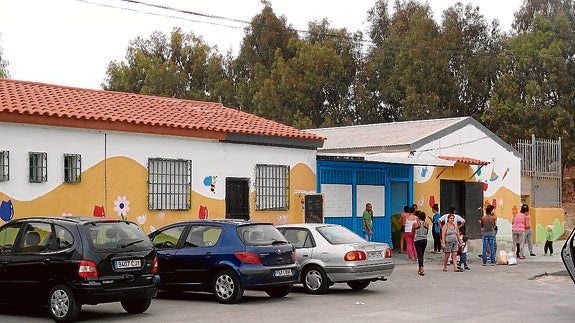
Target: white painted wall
{"type": "Point", "coordinates": [209, 157]}
{"type": "Point", "coordinates": [472, 142]}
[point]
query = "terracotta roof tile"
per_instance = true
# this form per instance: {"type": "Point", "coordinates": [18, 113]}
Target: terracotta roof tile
{"type": "Point", "coordinates": [465, 160]}
{"type": "Point", "coordinates": [127, 111]}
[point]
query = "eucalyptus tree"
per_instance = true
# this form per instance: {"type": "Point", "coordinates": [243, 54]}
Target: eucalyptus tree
{"type": "Point", "coordinates": [3, 66]}
{"type": "Point", "coordinates": [406, 71]}
{"type": "Point", "coordinates": [266, 37]}
{"type": "Point", "coordinates": [472, 46]}
{"type": "Point", "coordinates": [181, 66]}
{"type": "Point", "coordinates": [534, 92]}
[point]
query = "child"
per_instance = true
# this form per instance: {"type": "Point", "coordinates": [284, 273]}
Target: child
{"type": "Point", "coordinates": [463, 255]}
{"type": "Point", "coordinates": [549, 241]}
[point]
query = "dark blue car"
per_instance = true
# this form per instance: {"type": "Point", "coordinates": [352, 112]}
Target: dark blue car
{"type": "Point", "coordinates": [225, 257]}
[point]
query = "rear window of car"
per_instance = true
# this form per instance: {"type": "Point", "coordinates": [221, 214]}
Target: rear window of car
{"type": "Point", "coordinates": [339, 235]}
{"type": "Point", "coordinates": [260, 234]}
{"type": "Point", "coordinates": [117, 235]}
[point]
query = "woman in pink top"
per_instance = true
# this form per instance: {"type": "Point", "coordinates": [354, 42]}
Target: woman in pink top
{"type": "Point", "coordinates": [518, 230]}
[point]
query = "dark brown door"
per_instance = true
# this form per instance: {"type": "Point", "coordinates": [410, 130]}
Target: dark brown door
{"type": "Point", "coordinates": [237, 198]}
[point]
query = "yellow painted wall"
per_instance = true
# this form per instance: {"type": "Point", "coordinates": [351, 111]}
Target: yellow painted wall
{"type": "Point", "coordinates": [542, 217]}
{"type": "Point", "coordinates": [507, 202]}
{"type": "Point", "coordinates": [123, 180]}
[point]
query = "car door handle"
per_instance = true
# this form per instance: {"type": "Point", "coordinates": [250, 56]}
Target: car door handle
{"type": "Point", "coordinates": [46, 261]}
{"type": "Point", "coordinates": [305, 255]}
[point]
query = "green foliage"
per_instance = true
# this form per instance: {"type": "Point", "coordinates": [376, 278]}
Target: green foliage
{"type": "Point", "coordinates": [3, 67]}
{"type": "Point", "coordinates": [534, 93]}
{"type": "Point", "coordinates": [183, 67]}
{"type": "Point", "coordinates": [414, 67]}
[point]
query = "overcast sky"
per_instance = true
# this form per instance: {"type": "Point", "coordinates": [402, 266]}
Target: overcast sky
{"type": "Point", "coordinates": [71, 42]}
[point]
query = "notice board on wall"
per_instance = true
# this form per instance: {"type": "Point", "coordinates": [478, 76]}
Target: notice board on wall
{"type": "Point", "coordinates": [314, 208]}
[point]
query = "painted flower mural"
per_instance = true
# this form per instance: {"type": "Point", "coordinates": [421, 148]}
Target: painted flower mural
{"type": "Point", "coordinates": [122, 206]}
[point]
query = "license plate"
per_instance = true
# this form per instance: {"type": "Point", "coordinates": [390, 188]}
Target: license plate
{"type": "Point", "coordinates": [125, 264]}
{"type": "Point", "coordinates": [374, 254]}
{"type": "Point", "coordinates": [282, 273]}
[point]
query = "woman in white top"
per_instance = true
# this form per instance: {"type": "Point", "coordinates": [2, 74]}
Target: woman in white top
{"type": "Point", "coordinates": [409, 221]}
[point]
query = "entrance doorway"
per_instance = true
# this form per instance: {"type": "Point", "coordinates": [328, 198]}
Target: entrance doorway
{"type": "Point", "coordinates": [237, 198]}
{"type": "Point", "coordinates": [467, 198]}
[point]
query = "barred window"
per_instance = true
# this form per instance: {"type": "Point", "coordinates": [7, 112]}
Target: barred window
{"type": "Point", "coordinates": [38, 167]}
{"type": "Point", "coordinates": [4, 166]}
{"type": "Point", "coordinates": [272, 187]}
{"type": "Point", "coordinates": [169, 184]}
{"type": "Point", "coordinates": [72, 168]}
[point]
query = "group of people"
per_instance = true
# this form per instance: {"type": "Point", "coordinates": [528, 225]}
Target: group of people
{"type": "Point", "coordinates": [445, 232]}
{"type": "Point", "coordinates": [447, 237]}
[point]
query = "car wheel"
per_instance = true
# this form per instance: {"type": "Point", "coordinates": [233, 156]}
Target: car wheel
{"type": "Point", "coordinates": [358, 284]}
{"type": "Point", "coordinates": [279, 291]}
{"type": "Point", "coordinates": [62, 304]}
{"type": "Point", "coordinates": [227, 288]}
{"type": "Point", "coordinates": [315, 280]}
{"type": "Point", "coordinates": [137, 305]}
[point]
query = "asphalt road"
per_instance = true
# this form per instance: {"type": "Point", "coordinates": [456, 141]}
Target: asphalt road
{"type": "Point", "coordinates": [532, 291]}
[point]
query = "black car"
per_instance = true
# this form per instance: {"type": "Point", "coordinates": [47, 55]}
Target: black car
{"type": "Point", "coordinates": [64, 262]}
{"type": "Point", "coordinates": [225, 257]}
{"type": "Point", "coordinates": [568, 255]}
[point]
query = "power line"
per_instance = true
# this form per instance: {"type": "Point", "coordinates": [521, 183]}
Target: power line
{"type": "Point", "coordinates": [157, 14]}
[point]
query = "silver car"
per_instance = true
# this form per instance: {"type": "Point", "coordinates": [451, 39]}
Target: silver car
{"type": "Point", "coordinates": [330, 253]}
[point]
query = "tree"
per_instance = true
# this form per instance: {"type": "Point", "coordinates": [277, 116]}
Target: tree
{"type": "Point", "coordinates": [313, 87]}
{"type": "Point", "coordinates": [3, 67]}
{"type": "Point", "coordinates": [406, 73]}
{"type": "Point", "coordinates": [183, 67]}
{"type": "Point", "coordinates": [266, 36]}
{"type": "Point", "coordinates": [534, 94]}
{"type": "Point", "coordinates": [525, 16]}
{"type": "Point", "coordinates": [472, 46]}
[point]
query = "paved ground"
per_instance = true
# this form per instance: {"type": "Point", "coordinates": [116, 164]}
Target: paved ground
{"type": "Point", "coordinates": [536, 290]}
{"type": "Point", "coordinates": [473, 255]}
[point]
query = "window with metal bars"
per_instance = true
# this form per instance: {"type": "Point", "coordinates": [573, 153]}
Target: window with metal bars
{"type": "Point", "coordinates": [272, 187]}
{"type": "Point", "coordinates": [4, 166]}
{"type": "Point", "coordinates": [169, 184]}
{"type": "Point", "coordinates": [72, 168]}
{"type": "Point", "coordinates": [37, 167]}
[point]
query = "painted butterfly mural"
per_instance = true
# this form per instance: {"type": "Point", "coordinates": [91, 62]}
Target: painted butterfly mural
{"type": "Point", "coordinates": [6, 210]}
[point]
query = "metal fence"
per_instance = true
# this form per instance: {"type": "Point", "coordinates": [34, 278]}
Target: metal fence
{"type": "Point", "coordinates": [541, 168]}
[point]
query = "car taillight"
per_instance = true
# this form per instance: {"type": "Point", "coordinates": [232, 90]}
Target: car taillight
{"type": "Point", "coordinates": [388, 253]}
{"type": "Point", "coordinates": [248, 257]}
{"type": "Point", "coordinates": [354, 255]}
{"type": "Point", "coordinates": [87, 269]}
{"type": "Point", "coordinates": [155, 265]}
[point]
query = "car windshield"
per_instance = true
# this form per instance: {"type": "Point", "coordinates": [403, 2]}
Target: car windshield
{"type": "Point", "coordinates": [260, 234]}
{"type": "Point", "coordinates": [117, 235]}
{"type": "Point", "coordinates": [339, 235]}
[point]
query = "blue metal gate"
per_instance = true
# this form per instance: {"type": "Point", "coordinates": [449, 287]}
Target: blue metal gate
{"type": "Point", "coordinates": [398, 189]}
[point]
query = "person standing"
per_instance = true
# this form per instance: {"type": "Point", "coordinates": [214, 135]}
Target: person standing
{"type": "Point", "coordinates": [463, 255]}
{"type": "Point", "coordinates": [548, 241]}
{"type": "Point", "coordinates": [518, 231]}
{"type": "Point", "coordinates": [436, 230]}
{"type": "Point", "coordinates": [420, 228]}
{"type": "Point", "coordinates": [458, 219]}
{"type": "Point", "coordinates": [529, 234]}
{"type": "Point", "coordinates": [402, 217]}
{"type": "Point", "coordinates": [368, 222]}
{"type": "Point", "coordinates": [409, 221]}
{"type": "Point", "coordinates": [487, 223]}
{"type": "Point", "coordinates": [450, 242]}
